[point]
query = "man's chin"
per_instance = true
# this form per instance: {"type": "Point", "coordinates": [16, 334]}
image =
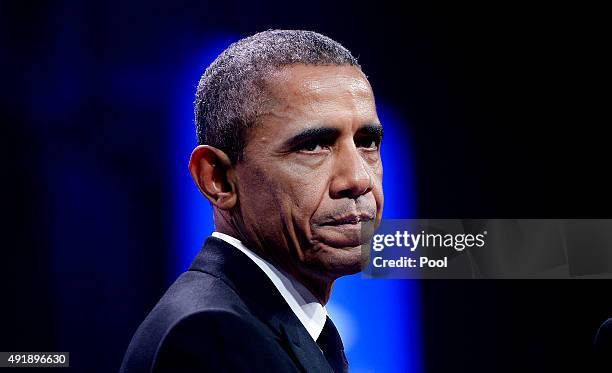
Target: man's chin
{"type": "Point", "coordinates": [339, 261]}
{"type": "Point", "coordinates": [342, 238]}
{"type": "Point", "coordinates": [349, 269]}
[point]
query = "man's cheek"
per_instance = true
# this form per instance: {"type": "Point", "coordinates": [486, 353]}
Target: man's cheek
{"type": "Point", "coordinates": [378, 170]}
{"type": "Point", "coordinates": [302, 202]}
{"type": "Point", "coordinates": [301, 187]}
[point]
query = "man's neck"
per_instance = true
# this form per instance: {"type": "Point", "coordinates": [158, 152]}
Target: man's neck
{"type": "Point", "coordinates": [320, 288]}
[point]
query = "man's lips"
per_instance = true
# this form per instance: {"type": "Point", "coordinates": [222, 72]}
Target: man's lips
{"type": "Point", "coordinates": [347, 219]}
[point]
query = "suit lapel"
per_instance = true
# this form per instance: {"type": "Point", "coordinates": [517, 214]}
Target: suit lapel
{"type": "Point", "coordinates": [224, 261]}
{"type": "Point", "coordinates": [305, 350]}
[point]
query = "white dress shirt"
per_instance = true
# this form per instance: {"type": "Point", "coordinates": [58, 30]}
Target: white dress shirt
{"type": "Point", "coordinates": [311, 313]}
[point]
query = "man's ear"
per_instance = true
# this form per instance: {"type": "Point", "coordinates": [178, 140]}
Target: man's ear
{"type": "Point", "coordinates": [214, 174]}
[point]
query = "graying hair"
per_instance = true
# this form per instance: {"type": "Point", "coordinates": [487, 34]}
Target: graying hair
{"type": "Point", "coordinates": [232, 90]}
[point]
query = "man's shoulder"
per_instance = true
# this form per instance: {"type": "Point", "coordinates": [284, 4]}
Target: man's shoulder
{"type": "Point", "coordinates": [195, 292]}
{"type": "Point", "coordinates": [196, 301]}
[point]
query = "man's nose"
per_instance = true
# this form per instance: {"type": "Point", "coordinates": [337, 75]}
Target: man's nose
{"type": "Point", "coordinates": [351, 177]}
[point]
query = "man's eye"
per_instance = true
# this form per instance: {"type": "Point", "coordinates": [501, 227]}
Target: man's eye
{"type": "Point", "coordinates": [367, 143]}
{"type": "Point", "coordinates": [311, 147]}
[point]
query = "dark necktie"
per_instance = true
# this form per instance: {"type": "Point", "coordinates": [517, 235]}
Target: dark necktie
{"type": "Point", "coordinates": [331, 344]}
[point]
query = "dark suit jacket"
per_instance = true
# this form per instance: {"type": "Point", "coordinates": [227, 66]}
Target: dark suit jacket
{"type": "Point", "coordinates": [222, 315]}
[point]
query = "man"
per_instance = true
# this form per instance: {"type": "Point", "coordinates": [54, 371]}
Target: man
{"type": "Point", "coordinates": [289, 157]}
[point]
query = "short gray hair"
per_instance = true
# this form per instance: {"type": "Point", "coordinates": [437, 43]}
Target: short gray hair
{"type": "Point", "coordinates": [232, 90]}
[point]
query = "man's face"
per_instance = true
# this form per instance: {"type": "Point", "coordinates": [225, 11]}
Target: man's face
{"type": "Point", "coordinates": [311, 176]}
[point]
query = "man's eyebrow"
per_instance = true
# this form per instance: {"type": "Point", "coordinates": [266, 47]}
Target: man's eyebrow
{"type": "Point", "coordinates": [310, 134]}
{"type": "Point", "coordinates": [374, 130]}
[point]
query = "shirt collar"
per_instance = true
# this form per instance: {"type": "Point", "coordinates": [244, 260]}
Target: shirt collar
{"type": "Point", "coordinates": [311, 313]}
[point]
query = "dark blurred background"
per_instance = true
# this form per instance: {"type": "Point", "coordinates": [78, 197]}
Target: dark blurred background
{"type": "Point", "coordinates": [504, 105]}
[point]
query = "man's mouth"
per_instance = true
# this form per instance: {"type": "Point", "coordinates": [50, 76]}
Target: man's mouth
{"type": "Point", "coordinates": [344, 229]}
{"type": "Point", "coordinates": [350, 219]}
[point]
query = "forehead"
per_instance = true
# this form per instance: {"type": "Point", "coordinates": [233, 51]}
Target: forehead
{"type": "Point", "coordinates": [311, 81]}
{"type": "Point", "coordinates": [322, 93]}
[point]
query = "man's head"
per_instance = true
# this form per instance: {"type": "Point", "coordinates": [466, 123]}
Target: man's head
{"type": "Point", "coordinates": [289, 151]}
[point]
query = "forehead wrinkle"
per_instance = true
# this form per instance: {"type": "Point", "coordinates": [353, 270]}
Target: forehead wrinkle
{"type": "Point", "coordinates": [324, 93]}
{"type": "Point", "coordinates": [283, 80]}
{"type": "Point", "coordinates": [352, 86]}
{"type": "Point", "coordinates": [332, 97]}
{"type": "Point", "coordinates": [335, 80]}
{"type": "Point", "coordinates": [343, 106]}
